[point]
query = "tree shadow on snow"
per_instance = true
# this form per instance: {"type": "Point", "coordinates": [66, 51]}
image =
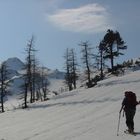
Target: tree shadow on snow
{"type": "Point", "coordinates": [117, 82]}
{"type": "Point", "coordinates": [73, 103]}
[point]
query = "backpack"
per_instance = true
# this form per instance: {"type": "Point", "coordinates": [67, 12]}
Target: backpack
{"type": "Point", "coordinates": [131, 98]}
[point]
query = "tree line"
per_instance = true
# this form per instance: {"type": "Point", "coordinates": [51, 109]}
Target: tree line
{"type": "Point", "coordinates": [109, 48]}
{"type": "Point", "coordinates": [35, 85]}
{"type": "Point", "coordinates": [35, 82]}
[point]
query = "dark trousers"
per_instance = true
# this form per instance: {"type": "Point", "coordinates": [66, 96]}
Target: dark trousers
{"type": "Point", "coordinates": [130, 113]}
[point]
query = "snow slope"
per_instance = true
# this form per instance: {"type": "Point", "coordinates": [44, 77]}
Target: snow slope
{"type": "Point", "coordinates": [83, 114]}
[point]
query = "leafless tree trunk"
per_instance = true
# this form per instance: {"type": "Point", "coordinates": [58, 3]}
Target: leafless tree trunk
{"type": "Point", "coordinates": [86, 58]}
{"type": "Point", "coordinates": [4, 83]}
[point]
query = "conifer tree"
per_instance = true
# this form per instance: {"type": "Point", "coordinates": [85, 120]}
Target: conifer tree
{"type": "Point", "coordinates": [113, 44]}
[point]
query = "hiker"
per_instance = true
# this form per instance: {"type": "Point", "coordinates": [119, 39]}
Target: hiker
{"type": "Point", "coordinates": [129, 106]}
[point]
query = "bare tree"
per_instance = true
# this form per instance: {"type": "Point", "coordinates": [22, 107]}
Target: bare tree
{"type": "Point", "coordinates": [38, 86]}
{"type": "Point", "coordinates": [101, 59]}
{"type": "Point", "coordinates": [29, 67]}
{"type": "Point", "coordinates": [68, 78]}
{"type": "Point", "coordinates": [45, 83]}
{"type": "Point", "coordinates": [87, 57]}
{"type": "Point", "coordinates": [24, 89]}
{"type": "Point", "coordinates": [4, 83]}
{"type": "Point", "coordinates": [35, 73]}
{"type": "Point", "coordinates": [73, 67]}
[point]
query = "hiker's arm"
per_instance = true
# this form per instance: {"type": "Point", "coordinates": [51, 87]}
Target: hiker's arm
{"type": "Point", "coordinates": [123, 105]}
{"type": "Point", "coordinates": [121, 108]}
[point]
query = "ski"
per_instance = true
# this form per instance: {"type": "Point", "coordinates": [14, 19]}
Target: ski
{"type": "Point", "coordinates": [127, 132]}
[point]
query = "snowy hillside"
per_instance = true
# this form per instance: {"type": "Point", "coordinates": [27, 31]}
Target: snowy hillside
{"type": "Point", "coordinates": [83, 114]}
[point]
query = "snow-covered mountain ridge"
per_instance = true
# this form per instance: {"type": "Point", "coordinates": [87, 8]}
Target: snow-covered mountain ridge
{"type": "Point", "coordinates": [17, 65]}
{"type": "Point", "coordinates": [15, 68]}
{"type": "Point", "coordinates": [14, 64]}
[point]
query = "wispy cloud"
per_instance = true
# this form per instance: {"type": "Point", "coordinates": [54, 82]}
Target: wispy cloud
{"type": "Point", "coordinates": [92, 18]}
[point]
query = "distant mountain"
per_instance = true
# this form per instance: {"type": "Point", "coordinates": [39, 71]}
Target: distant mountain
{"type": "Point", "coordinates": [14, 64]}
{"type": "Point", "coordinates": [15, 69]}
{"type": "Point", "coordinates": [56, 74]}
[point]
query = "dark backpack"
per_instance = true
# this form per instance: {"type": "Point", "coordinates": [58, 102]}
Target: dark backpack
{"type": "Point", "coordinates": [131, 98]}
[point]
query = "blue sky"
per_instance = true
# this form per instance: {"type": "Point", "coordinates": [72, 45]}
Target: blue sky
{"type": "Point", "coordinates": [61, 24]}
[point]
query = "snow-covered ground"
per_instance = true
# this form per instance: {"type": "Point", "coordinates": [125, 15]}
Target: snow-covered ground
{"type": "Point", "coordinates": [83, 114]}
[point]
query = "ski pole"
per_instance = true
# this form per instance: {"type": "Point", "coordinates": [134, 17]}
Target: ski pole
{"type": "Point", "coordinates": [118, 124]}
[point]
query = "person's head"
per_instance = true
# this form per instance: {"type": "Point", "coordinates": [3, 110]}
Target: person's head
{"type": "Point", "coordinates": [127, 92]}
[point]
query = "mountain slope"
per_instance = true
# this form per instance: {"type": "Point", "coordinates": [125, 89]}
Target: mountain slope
{"type": "Point", "coordinates": [15, 68]}
{"type": "Point", "coordinates": [83, 114]}
{"type": "Point", "coordinates": [14, 64]}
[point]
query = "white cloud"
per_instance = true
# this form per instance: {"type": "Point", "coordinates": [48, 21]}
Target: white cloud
{"type": "Point", "coordinates": [92, 18]}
